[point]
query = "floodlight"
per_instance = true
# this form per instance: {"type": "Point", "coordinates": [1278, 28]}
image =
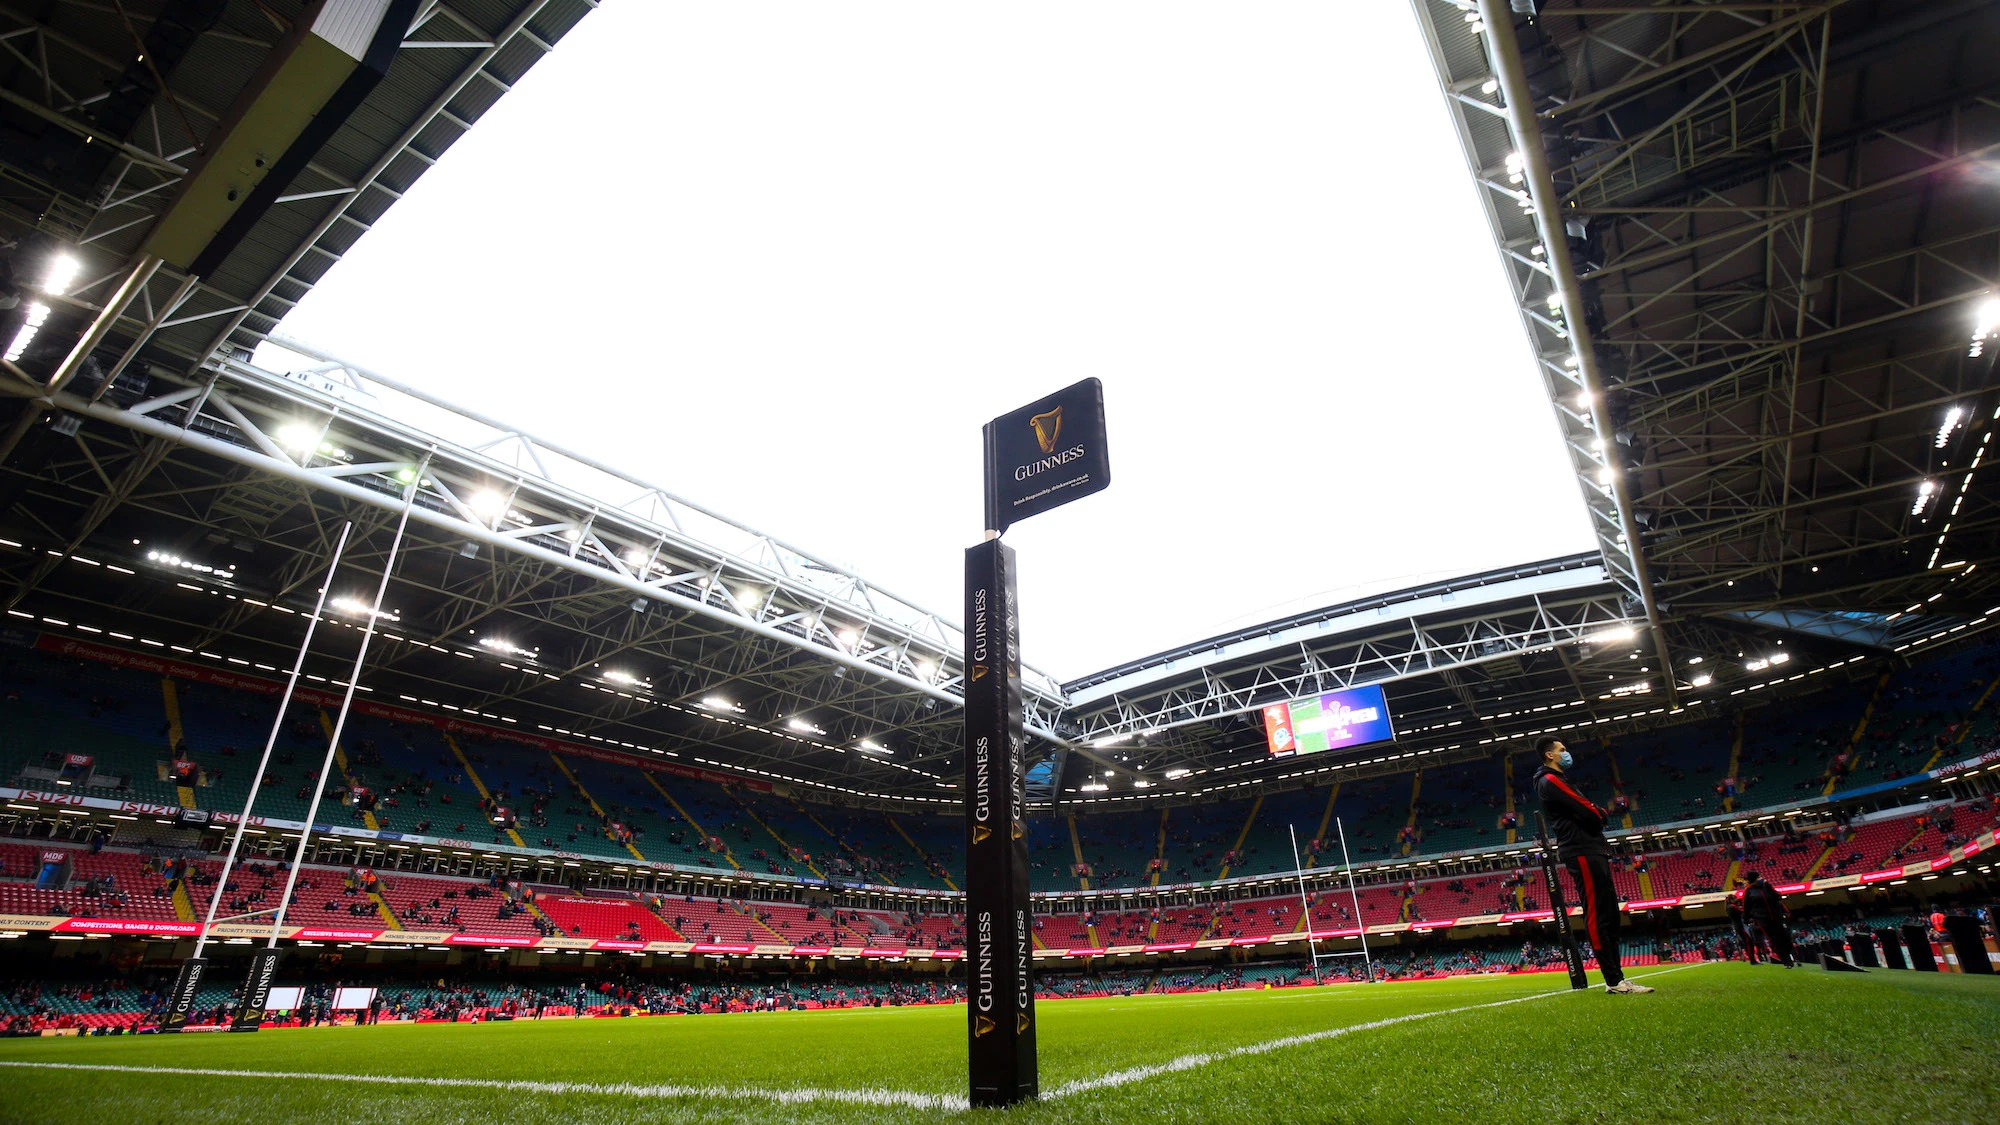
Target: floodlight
{"type": "Point", "coordinates": [62, 271]}
{"type": "Point", "coordinates": [487, 503]}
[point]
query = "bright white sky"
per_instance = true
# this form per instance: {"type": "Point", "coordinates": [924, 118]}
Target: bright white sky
{"type": "Point", "coordinates": [785, 258]}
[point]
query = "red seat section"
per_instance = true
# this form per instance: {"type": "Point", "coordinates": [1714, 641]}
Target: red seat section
{"type": "Point", "coordinates": [606, 918]}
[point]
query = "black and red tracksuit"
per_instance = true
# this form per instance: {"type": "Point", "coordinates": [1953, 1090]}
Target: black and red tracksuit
{"type": "Point", "coordinates": [1580, 844]}
{"type": "Point", "coordinates": [1764, 911]}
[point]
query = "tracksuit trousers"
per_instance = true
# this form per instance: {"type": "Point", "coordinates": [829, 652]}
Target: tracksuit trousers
{"type": "Point", "coordinates": [1599, 899]}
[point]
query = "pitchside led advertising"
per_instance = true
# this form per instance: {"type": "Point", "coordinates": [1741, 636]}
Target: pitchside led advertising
{"type": "Point", "coordinates": [1334, 721]}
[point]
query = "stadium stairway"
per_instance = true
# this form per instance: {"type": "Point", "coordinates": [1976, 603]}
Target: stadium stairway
{"type": "Point", "coordinates": [176, 736]}
{"type": "Point", "coordinates": [479, 785]}
{"type": "Point", "coordinates": [1735, 764]}
{"type": "Point", "coordinates": [602, 816]}
{"type": "Point", "coordinates": [1410, 825]}
{"type": "Point", "coordinates": [654, 780]}
{"type": "Point", "coordinates": [1851, 751]}
{"type": "Point", "coordinates": [1243, 836]}
{"type": "Point", "coordinates": [1076, 853]}
{"type": "Point", "coordinates": [657, 907]}
{"type": "Point", "coordinates": [785, 848]}
{"type": "Point", "coordinates": [756, 923]}
{"type": "Point", "coordinates": [1318, 841]}
{"type": "Point", "coordinates": [1625, 821]}
{"type": "Point", "coordinates": [1965, 726]}
{"type": "Point", "coordinates": [388, 916]}
{"type": "Point", "coordinates": [340, 762]}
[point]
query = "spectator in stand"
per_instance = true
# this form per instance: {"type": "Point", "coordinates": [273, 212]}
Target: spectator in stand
{"type": "Point", "coordinates": [1580, 843]}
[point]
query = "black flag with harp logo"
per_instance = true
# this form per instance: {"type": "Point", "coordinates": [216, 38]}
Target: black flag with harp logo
{"type": "Point", "coordinates": [1046, 454]}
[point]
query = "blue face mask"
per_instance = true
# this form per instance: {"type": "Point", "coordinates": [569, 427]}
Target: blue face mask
{"type": "Point", "coordinates": [1564, 759]}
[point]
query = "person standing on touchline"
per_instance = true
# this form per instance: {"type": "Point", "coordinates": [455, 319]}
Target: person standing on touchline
{"type": "Point", "coordinates": [1580, 844]}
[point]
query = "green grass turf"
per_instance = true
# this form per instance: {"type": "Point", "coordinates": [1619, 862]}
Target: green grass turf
{"type": "Point", "coordinates": [1716, 1043]}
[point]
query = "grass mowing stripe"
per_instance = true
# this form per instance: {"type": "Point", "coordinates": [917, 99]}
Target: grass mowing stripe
{"type": "Point", "coordinates": [899, 1099]}
{"type": "Point", "coordinates": [868, 1097]}
{"type": "Point", "coordinates": [1203, 1058]}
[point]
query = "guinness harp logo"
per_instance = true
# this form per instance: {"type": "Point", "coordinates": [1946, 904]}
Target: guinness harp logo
{"type": "Point", "coordinates": [980, 832]}
{"type": "Point", "coordinates": [1019, 831]}
{"type": "Point", "coordinates": [982, 1025]}
{"type": "Point", "coordinates": [978, 672]}
{"type": "Point", "coordinates": [1021, 1022]}
{"type": "Point", "coordinates": [1048, 428]}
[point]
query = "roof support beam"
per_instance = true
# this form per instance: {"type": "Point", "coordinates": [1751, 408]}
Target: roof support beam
{"type": "Point", "coordinates": [1504, 52]}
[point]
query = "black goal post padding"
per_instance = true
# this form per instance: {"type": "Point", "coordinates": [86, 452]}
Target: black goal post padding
{"type": "Point", "coordinates": [1892, 949]}
{"type": "Point", "coordinates": [1968, 941]}
{"type": "Point", "coordinates": [180, 1002]}
{"type": "Point", "coordinates": [1917, 941]}
{"type": "Point", "coordinates": [1861, 950]}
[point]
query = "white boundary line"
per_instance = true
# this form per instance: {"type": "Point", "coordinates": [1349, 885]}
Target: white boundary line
{"type": "Point", "coordinates": [796, 1096]}
{"type": "Point", "coordinates": [1203, 1058]}
{"type": "Point", "coordinates": [888, 1099]}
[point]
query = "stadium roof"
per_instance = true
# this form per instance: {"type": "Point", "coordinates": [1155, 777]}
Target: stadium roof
{"type": "Point", "coordinates": [1753, 245]}
{"type": "Point", "coordinates": [1769, 299]}
{"type": "Point", "coordinates": [93, 146]}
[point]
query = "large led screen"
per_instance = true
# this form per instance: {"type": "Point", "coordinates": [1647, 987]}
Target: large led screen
{"type": "Point", "coordinates": [1334, 721]}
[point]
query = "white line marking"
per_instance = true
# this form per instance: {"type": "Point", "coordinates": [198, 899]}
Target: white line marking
{"type": "Point", "coordinates": [795, 1096]}
{"type": "Point", "coordinates": [1203, 1058]}
{"type": "Point", "coordinates": [900, 1099]}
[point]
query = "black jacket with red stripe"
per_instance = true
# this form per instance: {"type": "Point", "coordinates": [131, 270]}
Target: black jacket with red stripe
{"type": "Point", "coordinates": [1762, 901]}
{"type": "Point", "coordinates": [1578, 824]}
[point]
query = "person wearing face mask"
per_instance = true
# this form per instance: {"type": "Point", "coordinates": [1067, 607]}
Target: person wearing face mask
{"type": "Point", "coordinates": [1580, 844]}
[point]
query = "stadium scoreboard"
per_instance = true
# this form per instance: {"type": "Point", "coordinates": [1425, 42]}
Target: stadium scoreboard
{"type": "Point", "coordinates": [1336, 720]}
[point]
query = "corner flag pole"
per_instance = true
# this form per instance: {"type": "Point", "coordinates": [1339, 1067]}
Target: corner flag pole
{"type": "Point", "coordinates": [1572, 955]}
{"type": "Point", "coordinates": [1360, 923]}
{"type": "Point", "coordinates": [1305, 904]}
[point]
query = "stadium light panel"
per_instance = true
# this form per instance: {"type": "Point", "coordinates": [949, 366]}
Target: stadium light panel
{"type": "Point", "coordinates": [1952, 418]}
{"type": "Point", "coordinates": [38, 313]}
{"type": "Point", "coordinates": [505, 647]}
{"type": "Point", "coordinates": [1703, 680]}
{"type": "Point", "coordinates": [1611, 636]}
{"type": "Point", "coordinates": [361, 609]}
